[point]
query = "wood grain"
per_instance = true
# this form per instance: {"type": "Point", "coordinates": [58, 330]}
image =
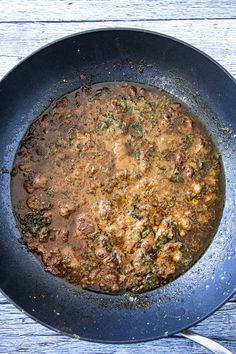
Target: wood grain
{"type": "Point", "coordinates": [216, 38]}
{"type": "Point", "coordinates": [108, 10]}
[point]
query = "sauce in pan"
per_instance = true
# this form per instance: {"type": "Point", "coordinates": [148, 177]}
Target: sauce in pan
{"type": "Point", "coordinates": [117, 187]}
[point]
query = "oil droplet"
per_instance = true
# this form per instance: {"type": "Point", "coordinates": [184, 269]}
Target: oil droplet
{"type": "Point", "coordinates": [225, 277]}
{"type": "Point", "coordinates": [132, 298]}
{"type": "Point", "coordinates": [10, 148]}
{"type": "Point", "coordinates": [225, 293]}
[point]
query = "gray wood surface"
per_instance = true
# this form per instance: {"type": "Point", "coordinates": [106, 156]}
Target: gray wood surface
{"type": "Point", "coordinates": [122, 10]}
{"type": "Point", "coordinates": [27, 25]}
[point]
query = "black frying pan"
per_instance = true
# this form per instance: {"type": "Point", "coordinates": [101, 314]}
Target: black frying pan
{"type": "Point", "coordinates": [117, 55]}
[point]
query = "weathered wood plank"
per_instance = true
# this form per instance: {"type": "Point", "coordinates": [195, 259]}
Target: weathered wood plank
{"type": "Point", "coordinates": [216, 38]}
{"type": "Point", "coordinates": [63, 345]}
{"type": "Point", "coordinates": [107, 10]}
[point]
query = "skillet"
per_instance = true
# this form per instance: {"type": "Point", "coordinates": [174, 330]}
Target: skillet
{"type": "Point", "coordinates": [118, 55]}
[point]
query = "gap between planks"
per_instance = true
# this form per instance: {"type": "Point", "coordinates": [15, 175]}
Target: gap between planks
{"type": "Point", "coordinates": [123, 21]}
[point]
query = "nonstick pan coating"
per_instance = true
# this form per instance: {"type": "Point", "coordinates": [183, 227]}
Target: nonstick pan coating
{"type": "Point", "coordinates": [118, 55]}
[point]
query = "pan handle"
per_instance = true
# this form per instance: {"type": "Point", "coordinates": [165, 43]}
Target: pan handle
{"type": "Point", "coordinates": [210, 344]}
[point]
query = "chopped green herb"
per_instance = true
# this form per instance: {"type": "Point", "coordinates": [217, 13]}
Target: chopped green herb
{"type": "Point", "coordinates": [162, 168]}
{"type": "Point", "coordinates": [137, 154]}
{"type": "Point", "coordinates": [204, 164]}
{"type": "Point", "coordinates": [146, 233]}
{"type": "Point", "coordinates": [172, 202]}
{"type": "Point", "coordinates": [212, 171]}
{"type": "Point", "coordinates": [110, 118]}
{"type": "Point", "coordinates": [33, 228]}
{"type": "Point", "coordinates": [151, 152]}
{"type": "Point", "coordinates": [94, 236]}
{"type": "Point", "coordinates": [109, 121]}
{"type": "Point", "coordinates": [186, 141]}
{"type": "Point", "coordinates": [177, 178]}
{"type": "Point", "coordinates": [118, 122]}
{"type": "Point", "coordinates": [154, 119]}
{"type": "Point", "coordinates": [135, 214]}
{"type": "Point", "coordinates": [43, 234]}
{"type": "Point", "coordinates": [149, 279]}
{"type": "Point", "coordinates": [122, 102]}
{"type": "Point", "coordinates": [133, 108]}
{"type": "Point", "coordinates": [36, 221]}
{"type": "Point", "coordinates": [104, 169]}
{"type": "Point", "coordinates": [103, 125]}
{"type": "Point", "coordinates": [138, 129]}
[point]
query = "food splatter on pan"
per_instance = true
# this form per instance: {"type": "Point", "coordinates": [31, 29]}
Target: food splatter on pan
{"type": "Point", "coordinates": [117, 187]}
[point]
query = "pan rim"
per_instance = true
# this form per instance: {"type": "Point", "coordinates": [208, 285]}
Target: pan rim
{"type": "Point", "coordinates": [135, 30]}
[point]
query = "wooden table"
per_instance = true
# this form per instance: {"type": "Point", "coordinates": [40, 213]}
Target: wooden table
{"type": "Point", "coordinates": [25, 26]}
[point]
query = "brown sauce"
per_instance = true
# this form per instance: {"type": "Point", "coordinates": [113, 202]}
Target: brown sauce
{"type": "Point", "coordinates": [117, 187]}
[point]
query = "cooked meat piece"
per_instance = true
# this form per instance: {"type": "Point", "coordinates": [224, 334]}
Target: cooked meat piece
{"type": "Point", "coordinates": [84, 225]}
{"type": "Point", "coordinates": [40, 181]}
{"type": "Point", "coordinates": [180, 158]}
